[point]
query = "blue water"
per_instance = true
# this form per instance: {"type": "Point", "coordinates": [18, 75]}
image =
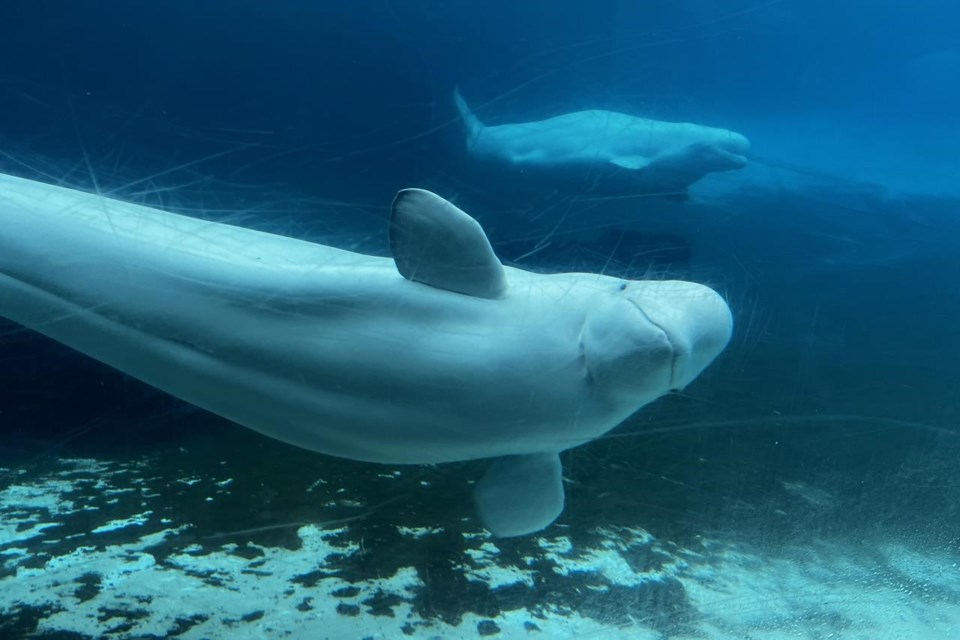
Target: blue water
{"type": "Point", "coordinates": [832, 419]}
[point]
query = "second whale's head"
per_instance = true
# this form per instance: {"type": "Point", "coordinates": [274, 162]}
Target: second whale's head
{"type": "Point", "coordinates": [721, 150]}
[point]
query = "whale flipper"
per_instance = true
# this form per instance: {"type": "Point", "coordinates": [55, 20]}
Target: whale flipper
{"type": "Point", "coordinates": [631, 162]}
{"type": "Point", "coordinates": [520, 494]}
{"type": "Point", "coordinates": [437, 244]}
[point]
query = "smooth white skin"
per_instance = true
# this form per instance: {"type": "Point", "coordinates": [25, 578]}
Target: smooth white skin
{"type": "Point", "coordinates": [584, 140]}
{"type": "Point", "coordinates": [335, 351]}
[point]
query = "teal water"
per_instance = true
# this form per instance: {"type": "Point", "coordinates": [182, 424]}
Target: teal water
{"type": "Point", "coordinates": [803, 487]}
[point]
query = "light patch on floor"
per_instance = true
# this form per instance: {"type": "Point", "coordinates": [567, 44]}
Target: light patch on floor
{"type": "Point", "coordinates": [486, 570]}
{"type": "Point", "coordinates": [825, 591]}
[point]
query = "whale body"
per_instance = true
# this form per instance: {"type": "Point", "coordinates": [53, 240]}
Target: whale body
{"type": "Point", "coordinates": [605, 149]}
{"type": "Point", "coordinates": [436, 354]}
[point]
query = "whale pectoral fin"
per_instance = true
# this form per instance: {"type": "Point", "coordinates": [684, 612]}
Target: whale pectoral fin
{"type": "Point", "coordinates": [437, 244]}
{"type": "Point", "coordinates": [520, 494]}
{"type": "Point", "coordinates": [632, 163]}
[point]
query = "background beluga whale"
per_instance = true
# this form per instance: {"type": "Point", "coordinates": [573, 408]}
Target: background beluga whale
{"type": "Point", "coordinates": [437, 354]}
{"type": "Point", "coordinates": [605, 149]}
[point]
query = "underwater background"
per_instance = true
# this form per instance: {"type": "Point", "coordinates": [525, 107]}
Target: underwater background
{"type": "Point", "coordinates": [805, 486]}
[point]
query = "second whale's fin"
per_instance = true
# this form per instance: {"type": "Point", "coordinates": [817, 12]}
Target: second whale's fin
{"type": "Point", "coordinates": [437, 244]}
{"type": "Point", "coordinates": [520, 494]}
{"type": "Point", "coordinates": [633, 163]}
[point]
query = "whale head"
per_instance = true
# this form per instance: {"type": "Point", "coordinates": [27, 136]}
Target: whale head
{"type": "Point", "coordinates": [722, 150]}
{"type": "Point", "coordinates": [654, 337]}
{"type": "Point", "coordinates": [639, 340]}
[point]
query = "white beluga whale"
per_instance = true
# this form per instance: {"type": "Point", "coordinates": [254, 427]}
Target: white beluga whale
{"type": "Point", "coordinates": [607, 150]}
{"type": "Point", "coordinates": [437, 354]}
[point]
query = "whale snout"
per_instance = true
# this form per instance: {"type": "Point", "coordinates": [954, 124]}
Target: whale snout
{"type": "Point", "coordinates": [738, 143]}
{"type": "Point", "coordinates": [654, 337]}
{"type": "Point", "coordinates": [739, 148]}
{"type": "Point", "coordinates": [695, 319]}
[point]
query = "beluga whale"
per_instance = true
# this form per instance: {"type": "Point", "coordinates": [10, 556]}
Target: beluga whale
{"type": "Point", "coordinates": [437, 353]}
{"type": "Point", "coordinates": [606, 151]}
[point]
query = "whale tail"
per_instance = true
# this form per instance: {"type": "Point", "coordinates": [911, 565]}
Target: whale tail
{"type": "Point", "coordinates": [470, 119]}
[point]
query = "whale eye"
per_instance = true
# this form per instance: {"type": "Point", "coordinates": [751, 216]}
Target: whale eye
{"type": "Point", "coordinates": [623, 286]}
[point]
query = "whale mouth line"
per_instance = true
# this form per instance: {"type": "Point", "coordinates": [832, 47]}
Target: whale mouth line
{"type": "Point", "coordinates": [666, 334]}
